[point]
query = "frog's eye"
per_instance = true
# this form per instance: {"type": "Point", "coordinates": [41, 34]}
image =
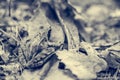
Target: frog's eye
{"type": "Point", "coordinates": [41, 27]}
{"type": "Point", "coordinates": [23, 33]}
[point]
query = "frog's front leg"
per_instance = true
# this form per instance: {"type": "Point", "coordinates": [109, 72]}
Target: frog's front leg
{"type": "Point", "coordinates": [56, 36]}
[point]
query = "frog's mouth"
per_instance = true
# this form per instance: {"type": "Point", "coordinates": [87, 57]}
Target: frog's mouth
{"type": "Point", "coordinates": [116, 56]}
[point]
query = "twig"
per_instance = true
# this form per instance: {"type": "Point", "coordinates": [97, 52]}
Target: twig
{"type": "Point", "coordinates": [20, 43]}
{"type": "Point", "coordinates": [7, 34]}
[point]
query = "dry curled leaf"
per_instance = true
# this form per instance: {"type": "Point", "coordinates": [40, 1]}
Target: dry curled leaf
{"type": "Point", "coordinates": [80, 64]}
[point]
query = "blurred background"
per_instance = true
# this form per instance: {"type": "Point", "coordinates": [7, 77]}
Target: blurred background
{"type": "Point", "coordinates": [97, 22]}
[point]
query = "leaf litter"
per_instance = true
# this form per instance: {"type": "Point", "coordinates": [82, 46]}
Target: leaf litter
{"type": "Point", "coordinates": [32, 46]}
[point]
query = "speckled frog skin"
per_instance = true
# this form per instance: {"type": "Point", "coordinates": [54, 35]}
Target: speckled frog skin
{"type": "Point", "coordinates": [59, 40]}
